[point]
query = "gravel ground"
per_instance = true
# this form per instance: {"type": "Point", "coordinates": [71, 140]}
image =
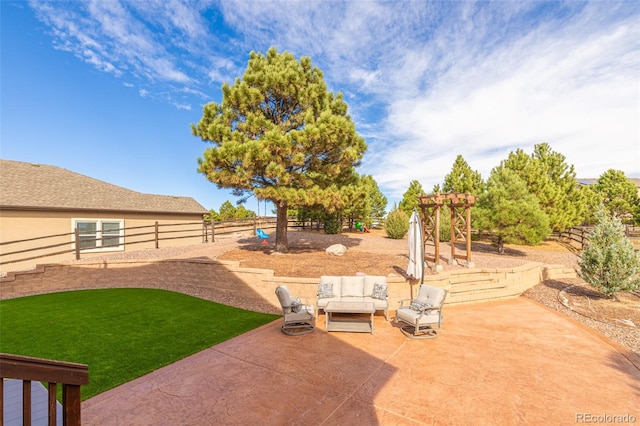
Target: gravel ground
{"type": "Point", "coordinates": [483, 255]}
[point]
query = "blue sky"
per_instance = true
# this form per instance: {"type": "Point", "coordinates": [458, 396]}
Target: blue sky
{"type": "Point", "coordinates": [109, 88]}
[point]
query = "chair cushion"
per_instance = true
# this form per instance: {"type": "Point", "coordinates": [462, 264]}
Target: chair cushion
{"type": "Point", "coordinates": [352, 286]}
{"type": "Point", "coordinates": [284, 297]}
{"type": "Point", "coordinates": [379, 291]}
{"type": "Point", "coordinates": [305, 314]}
{"type": "Point", "coordinates": [431, 295]}
{"type": "Point", "coordinates": [325, 290]}
{"type": "Point", "coordinates": [410, 316]}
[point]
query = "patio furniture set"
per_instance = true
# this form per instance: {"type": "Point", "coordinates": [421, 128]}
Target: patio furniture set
{"type": "Point", "coordinates": [350, 303]}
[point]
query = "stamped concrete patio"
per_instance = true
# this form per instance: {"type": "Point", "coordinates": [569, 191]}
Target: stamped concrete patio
{"type": "Point", "coordinates": [507, 362]}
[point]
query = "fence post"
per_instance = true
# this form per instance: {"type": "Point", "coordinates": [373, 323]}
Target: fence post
{"type": "Point", "coordinates": [156, 236]}
{"type": "Point", "coordinates": [77, 247]}
{"type": "Point", "coordinates": [213, 230]}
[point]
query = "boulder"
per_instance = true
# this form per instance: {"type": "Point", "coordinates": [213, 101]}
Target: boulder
{"type": "Point", "coordinates": [336, 250]}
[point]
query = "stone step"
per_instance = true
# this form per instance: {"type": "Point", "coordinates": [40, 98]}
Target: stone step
{"type": "Point", "coordinates": [482, 295]}
{"type": "Point", "coordinates": [476, 286]}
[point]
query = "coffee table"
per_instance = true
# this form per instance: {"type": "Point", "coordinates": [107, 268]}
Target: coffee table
{"type": "Point", "coordinates": [355, 323]}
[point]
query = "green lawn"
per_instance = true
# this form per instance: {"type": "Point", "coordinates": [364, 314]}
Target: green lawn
{"type": "Point", "coordinates": [120, 334]}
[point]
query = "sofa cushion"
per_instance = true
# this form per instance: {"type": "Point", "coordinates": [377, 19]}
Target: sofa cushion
{"type": "Point", "coordinates": [352, 286]}
{"type": "Point", "coordinates": [378, 303]}
{"type": "Point", "coordinates": [370, 281]}
{"type": "Point", "coordinates": [379, 291]}
{"type": "Point", "coordinates": [335, 280]}
{"type": "Point", "coordinates": [322, 303]}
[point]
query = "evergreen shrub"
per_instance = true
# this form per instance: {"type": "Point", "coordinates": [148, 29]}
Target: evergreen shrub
{"type": "Point", "coordinates": [397, 224]}
{"type": "Point", "coordinates": [610, 263]}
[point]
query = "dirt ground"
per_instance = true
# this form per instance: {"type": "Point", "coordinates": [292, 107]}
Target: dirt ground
{"type": "Point", "coordinates": [376, 254]}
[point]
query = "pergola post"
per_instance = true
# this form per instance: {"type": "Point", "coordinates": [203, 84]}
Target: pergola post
{"type": "Point", "coordinates": [460, 224]}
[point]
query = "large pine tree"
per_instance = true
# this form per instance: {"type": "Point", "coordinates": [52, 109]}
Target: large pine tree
{"type": "Point", "coordinates": [553, 181]}
{"type": "Point", "coordinates": [279, 134]}
{"type": "Point", "coordinates": [509, 212]}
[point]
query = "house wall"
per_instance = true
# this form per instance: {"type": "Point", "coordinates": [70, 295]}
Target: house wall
{"type": "Point", "coordinates": [21, 225]}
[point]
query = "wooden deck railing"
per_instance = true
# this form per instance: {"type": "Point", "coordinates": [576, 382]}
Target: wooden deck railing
{"type": "Point", "coordinates": [70, 375]}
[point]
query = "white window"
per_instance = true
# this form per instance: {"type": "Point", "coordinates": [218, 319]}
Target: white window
{"type": "Point", "coordinates": [99, 234]}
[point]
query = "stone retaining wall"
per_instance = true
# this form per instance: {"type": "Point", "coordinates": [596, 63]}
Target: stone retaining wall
{"type": "Point", "coordinates": [227, 277]}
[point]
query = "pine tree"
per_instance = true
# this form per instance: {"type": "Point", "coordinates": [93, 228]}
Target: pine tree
{"type": "Point", "coordinates": [619, 195]}
{"type": "Point", "coordinates": [227, 211]}
{"type": "Point", "coordinates": [462, 179]}
{"type": "Point", "coordinates": [279, 134]}
{"type": "Point", "coordinates": [509, 212]}
{"type": "Point", "coordinates": [410, 197]}
{"type": "Point", "coordinates": [610, 263]}
{"type": "Point", "coordinates": [549, 178]}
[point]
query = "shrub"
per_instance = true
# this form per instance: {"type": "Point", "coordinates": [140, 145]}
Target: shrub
{"type": "Point", "coordinates": [610, 263]}
{"type": "Point", "coordinates": [397, 224]}
{"type": "Point", "coordinates": [332, 223]}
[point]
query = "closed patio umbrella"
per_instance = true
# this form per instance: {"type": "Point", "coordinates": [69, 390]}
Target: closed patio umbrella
{"type": "Point", "coordinates": [416, 249]}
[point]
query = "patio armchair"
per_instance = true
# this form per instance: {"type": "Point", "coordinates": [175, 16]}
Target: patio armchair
{"type": "Point", "coordinates": [299, 318]}
{"type": "Point", "coordinates": [423, 312]}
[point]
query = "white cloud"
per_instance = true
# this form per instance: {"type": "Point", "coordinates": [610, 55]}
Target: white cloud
{"type": "Point", "coordinates": [425, 81]}
{"type": "Point", "coordinates": [575, 87]}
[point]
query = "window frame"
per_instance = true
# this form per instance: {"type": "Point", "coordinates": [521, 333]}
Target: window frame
{"type": "Point", "coordinates": [101, 234]}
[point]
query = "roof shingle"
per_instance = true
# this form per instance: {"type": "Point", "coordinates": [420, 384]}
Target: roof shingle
{"type": "Point", "coordinates": [45, 187]}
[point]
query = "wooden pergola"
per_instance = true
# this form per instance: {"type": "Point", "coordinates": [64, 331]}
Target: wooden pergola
{"type": "Point", "coordinates": [460, 207]}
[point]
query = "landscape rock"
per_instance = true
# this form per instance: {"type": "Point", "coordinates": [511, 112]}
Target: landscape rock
{"type": "Point", "coordinates": [336, 250]}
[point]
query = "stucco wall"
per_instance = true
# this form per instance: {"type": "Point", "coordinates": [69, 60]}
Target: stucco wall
{"type": "Point", "coordinates": [19, 225]}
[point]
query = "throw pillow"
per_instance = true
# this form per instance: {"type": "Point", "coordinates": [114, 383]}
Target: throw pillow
{"type": "Point", "coordinates": [417, 305]}
{"type": "Point", "coordinates": [325, 290]}
{"type": "Point", "coordinates": [379, 291]}
{"type": "Point", "coordinates": [296, 304]}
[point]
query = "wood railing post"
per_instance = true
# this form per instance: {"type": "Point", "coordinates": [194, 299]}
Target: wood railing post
{"type": "Point", "coordinates": [156, 234]}
{"type": "Point", "coordinates": [26, 402]}
{"type": "Point", "coordinates": [77, 245]}
{"type": "Point", "coordinates": [71, 405]}
{"type": "Point", "coordinates": [53, 406]}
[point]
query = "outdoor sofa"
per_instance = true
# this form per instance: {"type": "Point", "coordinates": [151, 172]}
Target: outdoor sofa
{"type": "Point", "coordinates": [358, 288]}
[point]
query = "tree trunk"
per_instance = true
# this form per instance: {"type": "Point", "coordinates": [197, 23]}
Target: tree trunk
{"type": "Point", "coordinates": [500, 244]}
{"type": "Point", "coordinates": [282, 245]}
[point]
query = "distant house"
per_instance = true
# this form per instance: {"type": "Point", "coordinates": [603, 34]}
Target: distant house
{"type": "Point", "coordinates": [38, 200]}
{"type": "Point", "coordinates": [588, 182]}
